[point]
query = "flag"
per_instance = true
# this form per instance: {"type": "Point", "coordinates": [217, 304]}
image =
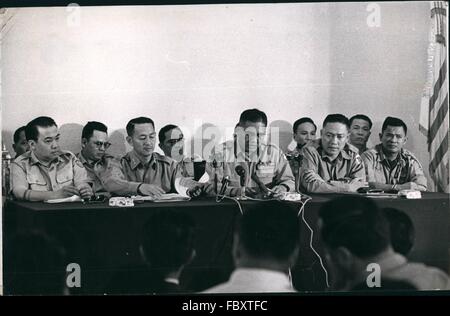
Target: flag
{"type": "Point", "coordinates": [434, 112]}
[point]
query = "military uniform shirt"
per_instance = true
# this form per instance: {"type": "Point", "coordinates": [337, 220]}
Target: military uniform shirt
{"type": "Point", "coordinates": [406, 168]}
{"type": "Point", "coordinates": [94, 170]}
{"type": "Point", "coordinates": [28, 173]}
{"type": "Point", "coordinates": [316, 163]}
{"type": "Point", "coordinates": [271, 167]}
{"type": "Point", "coordinates": [123, 177]}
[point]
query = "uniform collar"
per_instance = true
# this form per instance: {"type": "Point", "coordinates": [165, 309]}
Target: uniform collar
{"type": "Point", "coordinates": [135, 161]}
{"type": "Point", "coordinates": [379, 149]}
{"type": "Point", "coordinates": [34, 160]}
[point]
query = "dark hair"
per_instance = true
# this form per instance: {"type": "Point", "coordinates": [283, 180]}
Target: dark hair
{"type": "Point", "coordinates": [355, 223]}
{"type": "Point", "coordinates": [164, 130]}
{"type": "Point", "coordinates": [402, 230]}
{"type": "Point", "coordinates": [336, 118]}
{"type": "Point", "coordinates": [393, 121]}
{"type": "Point", "coordinates": [168, 240]}
{"type": "Point", "coordinates": [361, 117]}
{"type": "Point", "coordinates": [253, 115]}
{"type": "Point", "coordinates": [269, 230]}
{"type": "Point", "coordinates": [301, 121]}
{"type": "Point", "coordinates": [34, 265]}
{"type": "Point", "coordinates": [16, 137]}
{"type": "Point", "coordinates": [90, 127]}
{"type": "Point", "coordinates": [31, 130]}
{"type": "Point", "coordinates": [138, 120]}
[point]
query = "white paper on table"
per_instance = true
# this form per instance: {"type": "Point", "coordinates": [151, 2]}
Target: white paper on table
{"type": "Point", "coordinates": [204, 178]}
{"type": "Point", "coordinates": [73, 198]}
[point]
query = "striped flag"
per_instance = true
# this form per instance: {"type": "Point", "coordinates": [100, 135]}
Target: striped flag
{"type": "Point", "coordinates": [434, 114]}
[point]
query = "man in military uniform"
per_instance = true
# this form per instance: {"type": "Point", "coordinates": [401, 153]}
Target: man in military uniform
{"type": "Point", "coordinates": [47, 172]}
{"type": "Point", "coordinates": [304, 133]}
{"type": "Point", "coordinates": [20, 144]}
{"type": "Point", "coordinates": [94, 143]}
{"type": "Point", "coordinates": [171, 142]}
{"type": "Point", "coordinates": [143, 171]}
{"type": "Point", "coordinates": [360, 126]}
{"type": "Point", "coordinates": [391, 167]}
{"type": "Point", "coordinates": [331, 164]}
{"type": "Point", "coordinates": [265, 165]}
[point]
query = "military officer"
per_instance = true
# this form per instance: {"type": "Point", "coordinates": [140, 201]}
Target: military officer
{"type": "Point", "coordinates": [304, 133]}
{"type": "Point", "coordinates": [20, 144]}
{"type": "Point", "coordinates": [93, 156]}
{"type": "Point", "coordinates": [331, 164]}
{"type": "Point", "coordinates": [47, 172]}
{"type": "Point", "coordinates": [391, 167]}
{"type": "Point", "coordinates": [143, 171]}
{"type": "Point", "coordinates": [171, 142]}
{"type": "Point", "coordinates": [265, 165]}
{"type": "Point", "coordinates": [360, 126]}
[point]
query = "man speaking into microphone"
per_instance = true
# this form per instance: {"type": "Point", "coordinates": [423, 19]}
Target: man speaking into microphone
{"type": "Point", "coordinates": [264, 168]}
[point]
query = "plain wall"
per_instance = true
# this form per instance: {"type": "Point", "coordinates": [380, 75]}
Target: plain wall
{"type": "Point", "coordinates": [197, 65]}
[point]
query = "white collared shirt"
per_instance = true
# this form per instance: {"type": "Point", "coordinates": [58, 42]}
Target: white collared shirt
{"type": "Point", "coordinates": [253, 280]}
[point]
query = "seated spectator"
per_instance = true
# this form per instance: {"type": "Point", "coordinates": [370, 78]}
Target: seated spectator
{"type": "Point", "coordinates": [401, 229]}
{"type": "Point", "coordinates": [167, 247]}
{"type": "Point", "coordinates": [356, 233]}
{"type": "Point", "coordinates": [265, 247]}
{"type": "Point", "coordinates": [34, 265]}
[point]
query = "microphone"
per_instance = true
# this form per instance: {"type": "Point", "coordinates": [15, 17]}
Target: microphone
{"type": "Point", "coordinates": [242, 174]}
{"type": "Point", "coordinates": [225, 182]}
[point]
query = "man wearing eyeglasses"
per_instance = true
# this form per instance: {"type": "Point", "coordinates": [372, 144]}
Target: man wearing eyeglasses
{"type": "Point", "coordinates": [46, 172]}
{"type": "Point", "coordinates": [94, 143]}
{"type": "Point", "coordinates": [171, 142]}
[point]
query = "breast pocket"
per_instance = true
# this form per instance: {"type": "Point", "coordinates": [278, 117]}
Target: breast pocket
{"type": "Point", "coordinates": [266, 172]}
{"type": "Point", "coordinates": [64, 176]}
{"type": "Point", "coordinates": [36, 181]}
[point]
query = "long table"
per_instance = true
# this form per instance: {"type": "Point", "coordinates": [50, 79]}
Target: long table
{"type": "Point", "coordinates": [102, 239]}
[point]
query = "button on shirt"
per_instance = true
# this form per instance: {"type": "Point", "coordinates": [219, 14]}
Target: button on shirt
{"type": "Point", "coordinates": [123, 177]}
{"type": "Point", "coordinates": [28, 173]}
{"type": "Point", "coordinates": [406, 168]}
{"type": "Point", "coordinates": [317, 170]}
{"type": "Point", "coordinates": [252, 280]}
{"type": "Point", "coordinates": [95, 169]}
{"type": "Point", "coordinates": [271, 167]}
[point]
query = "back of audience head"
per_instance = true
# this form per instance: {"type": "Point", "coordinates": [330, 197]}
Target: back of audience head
{"type": "Point", "coordinates": [354, 231]}
{"type": "Point", "coordinates": [168, 241]}
{"type": "Point", "coordinates": [267, 236]}
{"type": "Point", "coordinates": [401, 230]}
{"type": "Point", "coordinates": [36, 265]}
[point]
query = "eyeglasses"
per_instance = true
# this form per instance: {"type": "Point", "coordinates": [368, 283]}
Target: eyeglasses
{"type": "Point", "coordinates": [174, 141]}
{"type": "Point", "coordinates": [100, 144]}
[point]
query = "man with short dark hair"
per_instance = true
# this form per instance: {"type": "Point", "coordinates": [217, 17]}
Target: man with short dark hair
{"type": "Point", "coordinates": [20, 144]}
{"type": "Point", "coordinates": [46, 172]}
{"type": "Point", "coordinates": [143, 171]}
{"type": "Point", "coordinates": [330, 164]}
{"type": "Point", "coordinates": [356, 234]}
{"type": "Point", "coordinates": [167, 246]}
{"type": "Point", "coordinates": [265, 248]}
{"type": "Point", "coordinates": [265, 165]}
{"type": "Point", "coordinates": [360, 126]}
{"type": "Point", "coordinates": [304, 133]}
{"type": "Point", "coordinates": [391, 167]}
{"type": "Point", "coordinates": [171, 142]}
{"type": "Point", "coordinates": [94, 143]}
